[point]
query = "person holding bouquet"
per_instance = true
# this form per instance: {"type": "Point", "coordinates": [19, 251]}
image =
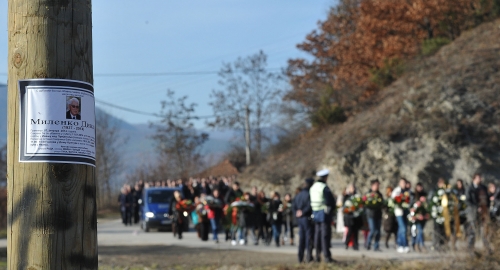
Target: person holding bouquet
{"type": "Point", "coordinates": [204, 221]}
{"type": "Point", "coordinates": [276, 217]}
{"type": "Point", "coordinates": [418, 217]}
{"type": "Point", "coordinates": [179, 209]}
{"type": "Point", "coordinates": [352, 208]}
{"type": "Point", "coordinates": [417, 225]}
{"type": "Point", "coordinates": [246, 218]}
{"type": "Point", "coordinates": [214, 206]}
{"type": "Point", "coordinates": [373, 202]}
{"type": "Point", "coordinates": [401, 197]}
{"type": "Point", "coordinates": [436, 210]}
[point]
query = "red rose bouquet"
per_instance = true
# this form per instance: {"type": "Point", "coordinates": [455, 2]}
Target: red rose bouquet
{"type": "Point", "coordinates": [372, 200]}
{"type": "Point", "coordinates": [185, 206]}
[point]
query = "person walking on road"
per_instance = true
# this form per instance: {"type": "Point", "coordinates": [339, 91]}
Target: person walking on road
{"type": "Point", "coordinates": [477, 213]}
{"type": "Point", "coordinates": [322, 204]}
{"type": "Point", "coordinates": [303, 211]}
{"type": "Point", "coordinates": [276, 217]}
{"type": "Point", "coordinates": [374, 216]}
{"type": "Point", "coordinates": [215, 213]}
{"type": "Point", "coordinates": [178, 218]}
{"type": "Point", "coordinates": [401, 217]}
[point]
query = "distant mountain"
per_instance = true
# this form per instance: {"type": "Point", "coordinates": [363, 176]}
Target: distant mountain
{"type": "Point", "coordinates": [140, 147]}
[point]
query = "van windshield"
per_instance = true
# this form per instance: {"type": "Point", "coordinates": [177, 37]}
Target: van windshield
{"type": "Point", "coordinates": [160, 196]}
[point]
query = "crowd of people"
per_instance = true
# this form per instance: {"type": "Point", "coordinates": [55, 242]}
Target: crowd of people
{"type": "Point", "coordinates": [220, 205]}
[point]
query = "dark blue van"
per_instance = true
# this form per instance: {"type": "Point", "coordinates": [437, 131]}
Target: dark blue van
{"type": "Point", "coordinates": [155, 206]}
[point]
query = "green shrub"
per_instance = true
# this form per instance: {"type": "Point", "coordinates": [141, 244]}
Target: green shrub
{"type": "Point", "coordinates": [328, 114]}
{"type": "Point", "coordinates": [432, 45]}
{"type": "Point", "coordinates": [392, 69]}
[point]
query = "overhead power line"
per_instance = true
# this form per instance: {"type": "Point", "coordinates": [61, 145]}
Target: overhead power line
{"type": "Point", "coordinates": [146, 113]}
{"type": "Point", "coordinates": [157, 74]}
{"type": "Point", "coordinates": [171, 73]}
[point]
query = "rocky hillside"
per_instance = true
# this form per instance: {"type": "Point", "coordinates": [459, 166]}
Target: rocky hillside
{"type": "Point", "coordinates": [441, 119]}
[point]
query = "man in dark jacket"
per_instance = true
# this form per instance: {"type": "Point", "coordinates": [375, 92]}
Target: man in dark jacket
{"type": "Point", "coordinates": [234, 193]}
{"type": "Point", "coordinates": [303, 211]}
{"type": "Point", "coordinates": [374, 216]}
{"type": "Point", "coordinates": [477, 212]}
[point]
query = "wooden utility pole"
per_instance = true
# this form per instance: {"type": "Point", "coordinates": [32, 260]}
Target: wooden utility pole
{"type": "Point", "coordinates": [247, 135]}
{"type": "Point", "coordinates": [51, 207]}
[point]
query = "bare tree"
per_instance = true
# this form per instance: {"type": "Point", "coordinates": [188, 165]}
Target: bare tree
{"type": "Point", "coordinates": [247, 84]}
{"type": "Point", "coordinates": [178, 142]}
{"type": "Point", "coordinates": [108, 155]}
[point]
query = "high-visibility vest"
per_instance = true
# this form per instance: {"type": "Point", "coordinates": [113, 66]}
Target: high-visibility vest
{"type": "Point", "coordinates": [317, 197]}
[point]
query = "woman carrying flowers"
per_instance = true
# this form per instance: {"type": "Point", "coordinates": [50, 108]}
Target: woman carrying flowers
{"type": "Point", "coordinates": [353, 208]}
{"type": "Point", "coordinates": [418, 217]}
{"type": "Point", "coordinates": [401, 197]}
{"type": "Point", "coordinates": [373, 202]}
{"type": "Point", "coordinates": [459, 215]}
{"type": "Point", "coordinates": [417, 225]}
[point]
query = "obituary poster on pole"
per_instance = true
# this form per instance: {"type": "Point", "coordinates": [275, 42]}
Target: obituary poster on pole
{"type": "Point", "coordinates": [57, 121]}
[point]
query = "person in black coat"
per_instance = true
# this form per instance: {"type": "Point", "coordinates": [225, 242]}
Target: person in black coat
{"type": "Point", "coordinates": [477, 212]}
{"type": "Point", "coordinates": [288, 219]}
{"type": "Point", "coordinates": [264, 225]}
{"type": "Point", "coordinates": [276, 217]}
{"type": "Point", "coordinates": [178, 219]}
{"type": "Point", "coordinates": [205, 188]}
{"type": "Point", "coordinates": [352, 222]}
{"type": "Point", "coordinates": [189, 192]}
{"type": "Point", "coordinates": [374, 216]}
{"type": "Point", "coordinates": [417, 231]}
{"type": "Point", "coordinates": [303, 211]}
{"type": "Point", "coordinates": [234, 193]}
{"type": "Point", "coordinates": [389, 222]}
{"type": "Point", "coordinates": [126, 201]}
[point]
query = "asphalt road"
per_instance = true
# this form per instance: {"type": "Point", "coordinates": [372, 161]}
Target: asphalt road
{"type": "Point", "coordinates": [114, 233]}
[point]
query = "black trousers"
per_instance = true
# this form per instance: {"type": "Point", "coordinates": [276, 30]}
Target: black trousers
{"type": "Point", "coordinates": [127, 216]}
{"type": "Point", "coordinates": [305, 238]}
{"type": "Point", "coordinates": [352, 231]}
{"type": "Point", "coordinates": [439, 236]}
{"type": "Point", "coordinates": [204, 230]}
{"type": "Point", "coordinates": [322, 238]}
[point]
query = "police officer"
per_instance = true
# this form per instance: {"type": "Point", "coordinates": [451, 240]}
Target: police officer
{"type": "Point", "coordinates": [303, 211]}
{"type": "Point", "coordinates": [322, 204]}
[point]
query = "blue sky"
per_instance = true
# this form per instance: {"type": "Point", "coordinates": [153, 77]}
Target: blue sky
{"type": "Point", "coordinates": [154, 36]}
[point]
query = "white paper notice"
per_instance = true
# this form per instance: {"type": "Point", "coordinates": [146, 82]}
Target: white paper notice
{"type": "Point", "coordinates": [57, 121]}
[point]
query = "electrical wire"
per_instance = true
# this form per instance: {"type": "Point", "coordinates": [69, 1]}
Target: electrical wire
{"type": "Point", "coordinates": [148, 113]}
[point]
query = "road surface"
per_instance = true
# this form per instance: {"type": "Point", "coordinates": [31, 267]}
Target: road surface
{"type": "Point", "coordinates": [114, 233]}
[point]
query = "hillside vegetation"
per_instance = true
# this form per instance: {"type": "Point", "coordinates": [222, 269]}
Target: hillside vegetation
{"type": "Point", "coordinates": [441, 118]}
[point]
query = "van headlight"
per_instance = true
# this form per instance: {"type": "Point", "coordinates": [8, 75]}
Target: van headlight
{"type": "Point", "coordinates": [150, 214]}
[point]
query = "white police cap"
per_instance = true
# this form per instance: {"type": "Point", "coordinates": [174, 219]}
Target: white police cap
{"type": "Point", "coordinates": [322, 173]}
